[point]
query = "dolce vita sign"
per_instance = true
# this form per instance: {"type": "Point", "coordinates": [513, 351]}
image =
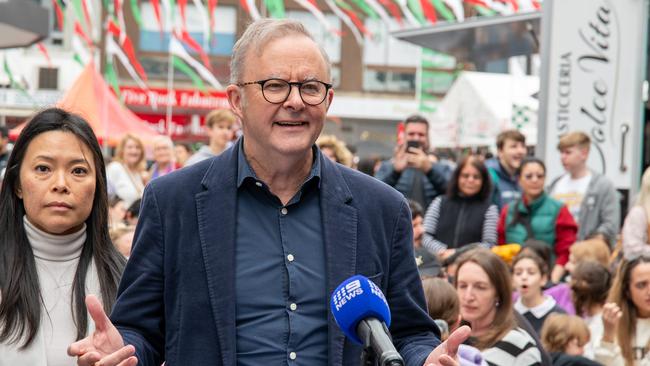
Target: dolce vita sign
{"type": "Point", "coordinates": [593, 67]}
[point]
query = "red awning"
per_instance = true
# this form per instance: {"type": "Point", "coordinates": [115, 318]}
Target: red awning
{"type": "Point", "coordinates": [91, 98]}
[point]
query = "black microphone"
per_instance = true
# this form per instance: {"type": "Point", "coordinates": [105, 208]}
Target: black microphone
{"type": "Point", "coordinates": [361, 311]}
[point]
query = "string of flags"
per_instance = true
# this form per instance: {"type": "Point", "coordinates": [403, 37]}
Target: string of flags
{"type": "Point", "coordinates": [119, 47]}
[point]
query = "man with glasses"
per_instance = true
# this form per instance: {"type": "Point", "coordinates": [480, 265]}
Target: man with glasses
{"type": "Point", "coordinates": [235, 258]}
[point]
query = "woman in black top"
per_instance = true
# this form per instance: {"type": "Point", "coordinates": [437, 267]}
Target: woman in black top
{"type": "Point", "coordinates": [465, 215]}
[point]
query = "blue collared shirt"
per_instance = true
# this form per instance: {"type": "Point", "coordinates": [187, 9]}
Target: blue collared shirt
{"type": "Point", "coordinates": [281, 290]}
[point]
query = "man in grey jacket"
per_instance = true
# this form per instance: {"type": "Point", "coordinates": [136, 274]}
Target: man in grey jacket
{"type": "Point", "coordinates": [590, 197]}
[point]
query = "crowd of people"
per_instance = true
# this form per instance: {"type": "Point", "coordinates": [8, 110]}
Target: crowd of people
{"type": "Point", "coordinates": [230, 253]}
{"type": "Point", "coordinates": [550, 280]}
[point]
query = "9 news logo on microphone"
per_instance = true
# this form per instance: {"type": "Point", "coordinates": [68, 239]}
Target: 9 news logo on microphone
{"type": "Point", "coordinates": [355, 299]}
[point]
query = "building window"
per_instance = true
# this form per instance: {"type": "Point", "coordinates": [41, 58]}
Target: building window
{"type": "Point", "coordinates": [390, 81]}
{"type": "Point", "coordinates": [48, 78]}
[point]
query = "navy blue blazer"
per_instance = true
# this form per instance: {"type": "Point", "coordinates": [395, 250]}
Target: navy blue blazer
{"type": "Point", "coordinates": [176, 301]}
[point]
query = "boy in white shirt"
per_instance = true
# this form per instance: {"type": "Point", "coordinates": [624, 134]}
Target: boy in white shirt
{"type": "Point", "coordinates": [590, 197]}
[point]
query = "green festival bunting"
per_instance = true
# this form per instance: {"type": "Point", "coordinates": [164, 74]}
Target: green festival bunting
{"type": "Point", "coordinates": [111, 77]}
{"type": "Point", "coordinates": [78, 60]}
{"type": "Point", "coordinates": [187, 70]}
{"type": "Point", "coordinates": [135, 9]}
{"type": "Point", "coordinates": [416, 9]}
{"type": "Point", "coordinates": [361, 4]}
{"type": "Point", "coordinates": [76, 4]}
{"type": "Point", "coordinates": [275, 8]}
{"type": "Point", "coordinates": [442, 9]}
{"type": "Point", "coordinates": [12, 81]}
{"type": "Point", "coordinates": [483, 11]}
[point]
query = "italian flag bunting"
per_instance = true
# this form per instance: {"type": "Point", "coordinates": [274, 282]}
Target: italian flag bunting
{"type": "Point", "coordinates": [205, 19]}
{"type": "Point", "coordinates": [441, 8]}
{"type": "Point", "coordinates": [12, 79]}
{"type": "Point", "coordinates": [60, 18]}
{"type": "Point", "coordinates": [358, 23]}
{"type": "Point", "coordinates": [315, 11]}
{"type": "Point", "coordinates": [408, 14]}
{"type": "Point", "coordinates": [156, 11]}
{"type": "Point", "coordinates": [177, 50]}
{"type": "Point", "coordinates": [416, 8]}
{"type": "Point", "coordinates": [197, 48]}
{"type": "Point", "coordinates": [41, 47]}
{"type": "Point", "coordinates": [429, 11]}
{"type": "Point", "coordinates": [135, 9]}
{"type": "Point", "coordinates": [361, 4]}
{"type": "Point", "coordinates": [81, 55]}
{"type": "Point", "coordinates": [457, 7]}
{"type": "Point", "coordinates": [111, 77]}
{"type": "Point", "coordinates": [212, 6]}
{"type": "Point", "coordinates": [127, 46]}
{"type": "Point", "coordinates": [346, 19]}
{"type": "Point", "coordinates": [394, 11]}
{"type": "Point", "coordinates": [182, 7]}
{"type": "Point", "coordinates": [379, 10]}
{"type": "Point", "coordinates": [185, 69]}
{"type": "Point", "coordinates": [112, 49]}
{"type": "Point", "coordinates": [251, 9]}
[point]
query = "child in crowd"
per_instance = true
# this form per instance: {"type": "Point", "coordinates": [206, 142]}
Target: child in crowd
{"type": "Point", "coordinates": [116, 212]}
{"type": "Point", "coordinates": [427, 262]}
{"type": "Point", "coordinates": [132, 213]}
{"type": "Point", "coordinates": [595, 249]}
{"type": "Point", "coordinates": [530, 274]}
{"type": "Point", "coordinates": [590, 283]}
{"type": "Point", "coordinates": [122, 238]}
{"type": "Point", "coordinates": [565, 337]}
{"type": "Point", "coordinates": [587, 250]}
{"type": "Point", "coordinates": [443, 306]}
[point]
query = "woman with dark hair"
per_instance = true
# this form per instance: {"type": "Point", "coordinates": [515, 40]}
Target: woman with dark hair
{"type": "Point", "coordinates": [54, 241]}
{"type": "Point", "coordinates": [484, 288]}
{"type": "Point", "coordinates": [625, 339]}
{"type": "Point", "coordinates": [538, 216]}
{"type": "Point", "coordinates": [465, 215]}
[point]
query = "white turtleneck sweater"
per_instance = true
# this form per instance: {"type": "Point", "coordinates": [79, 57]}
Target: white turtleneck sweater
{"type": "Point", "coordinates": [56, 257]}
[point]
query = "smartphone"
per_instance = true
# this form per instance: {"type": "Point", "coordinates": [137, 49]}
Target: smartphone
{"type": "Point", "coordinates": [412, 143]}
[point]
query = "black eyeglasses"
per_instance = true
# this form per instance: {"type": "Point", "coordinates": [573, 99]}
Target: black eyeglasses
{"type": "Point", "coordinates": [276, 91]}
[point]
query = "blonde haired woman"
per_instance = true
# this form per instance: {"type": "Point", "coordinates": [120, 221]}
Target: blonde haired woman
{"type": "Point", "coordinates": [635, 228]}
{"type": "Point", "coordinates": [335, 149]}
{"type": "Point", "coordinates": [127, 174]}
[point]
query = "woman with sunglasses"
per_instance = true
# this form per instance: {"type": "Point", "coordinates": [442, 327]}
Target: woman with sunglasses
{"type": "Point", "coordinates": [536, 216]}
{"type": "Point", "coordinates": [625, 339]}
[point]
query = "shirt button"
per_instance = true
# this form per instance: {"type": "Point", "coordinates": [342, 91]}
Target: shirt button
{"type": "Point", "coordinates": [293, 306]}
{"type": "Point", "coordinates": [290, 257]}
{"type": "Point", "coordinates": [259, 184]}
{"type": "Point", "coordinates": [284, 210]}
{"type": "Point", "coordinates": [292, 355]}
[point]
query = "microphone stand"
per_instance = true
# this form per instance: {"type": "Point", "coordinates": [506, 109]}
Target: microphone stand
{"type": "Point", "coordinates": [368, 355]}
